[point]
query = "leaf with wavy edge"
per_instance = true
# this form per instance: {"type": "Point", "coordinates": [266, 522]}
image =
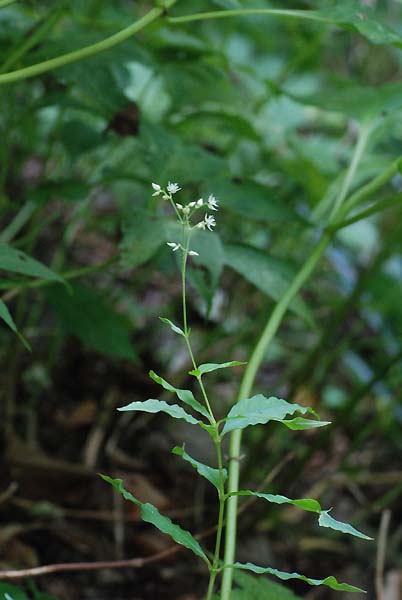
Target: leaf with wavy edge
{"type": "Point", "coordinates": [155, 406]}
{"type": "Point", "coordinates": [151, 514]}
{"type": "Point", "coordinates": [209, 367]}
{"type": "Point", "coordinates": [211, 474]}
{"type": "Point", "coordinates": [185, 396]}
{"type": "Point", "coordinates": [260, 410]}
{"type": "Point", "coordinates": [328, 581]}
{"type": "Point", "coordinates": [310, 505]}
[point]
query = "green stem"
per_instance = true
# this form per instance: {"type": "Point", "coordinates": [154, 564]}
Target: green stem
{"type": "Point", "coordinates": [257, 357]}
{"type": "Point", "coordinates": [244, 12]}
{"type": "Point", "coordinates": [368, 212]}
{"type": "Point", "coordinates": [87, 51]}
{"type": "Point", "coordinates": [222, 499]}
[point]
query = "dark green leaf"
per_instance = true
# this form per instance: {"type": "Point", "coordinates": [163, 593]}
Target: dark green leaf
{"type": "Point", "coordinates": [142, 236]}
{"type": "Point", "coordinates": [85, 314]}
{"type": "Point", "coordinates": [211, 474]}
{"type": "Point", "coordinates": [17, 261]}
{"type": "Point", "coordinates": [12, 592]}
{"type": "Point", "coordinates": [150, 514]}
{"type": "Point", "coordinates": [7, 318]}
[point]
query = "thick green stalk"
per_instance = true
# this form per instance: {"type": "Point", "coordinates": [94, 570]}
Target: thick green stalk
{"type": "Point", "coordinates": [87, 51]}
{"type": "Point", "coordinates": [257, 357]}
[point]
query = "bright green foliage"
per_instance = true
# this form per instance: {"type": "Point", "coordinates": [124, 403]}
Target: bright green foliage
{"type": "Point", "coordinates": [328, 581]}
{"type": "Point", "coordinates": [260, 410]}
{"type": "Point", "coordinates": [156, 406]}
{"type": "Point", "coordinates": [310, 505]}
{"type": "Point", "coordinates": [185, 396]}
{"type": "Point", "coordinates": [8, 591]}
{"type": "Point", "coordinates": [209, 367]}
{"type": "Point", "coordinates": [211, 474]}
{"type": "Point", "coordinates": [150, 514]}
{"type": "Point", "coordinates": [172, 326]}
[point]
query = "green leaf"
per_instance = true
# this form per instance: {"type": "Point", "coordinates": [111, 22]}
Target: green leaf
{"type": "Point", "coordinates": [85, 314]}
{"type": "Point", "coordinates": [256, 588]}
{"type": "Point", "coordinates": [17, 261]}
{"type": "Point", "coordinates": [310, 505]}
{"type": "Point", "coordinates": [142, 236]}
{"type": "Point", "coordinates": [260, 410]}
{"type": "Point", "coordinates": [156, 406]}
{"type": "Point", "coordinates": [150, 514]}
{"type": "Point", "coordinates": [211, 474]}
{"type": "Point", "coordinates": [185, 396]}
{"type": "Point", "coordinates": [328, 581]}
{"type": "Point", "coordinates": [270, 275]}
{"type": "Point", "coordinates": [11, 591]}
{"type": "Point", "coordinates": [209, 367]}
{"type": "Point", "coordinates": [300, 424]}
{"type": "Point", "coordinates": [172, 326]}
{"type": "Point", "coordinates": [7, 318]}
{"type": "Point", "coordinates": [325, 520]}
{"type": "Point", "coordinates": [304, 503]}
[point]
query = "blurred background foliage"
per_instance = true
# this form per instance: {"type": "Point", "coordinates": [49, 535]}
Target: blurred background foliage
{"type": "Point", "coordinates": [264, 113]}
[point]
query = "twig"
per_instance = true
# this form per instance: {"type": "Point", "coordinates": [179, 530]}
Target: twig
{"type": "Point", "coordinates": [381, 551]}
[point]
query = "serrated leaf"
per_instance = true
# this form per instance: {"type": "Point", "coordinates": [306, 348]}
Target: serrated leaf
{"type": "Point", "coordinates": [209, 367]}
{"type": "Point", "coordinates": [211, 474]}
{"type": "Point", "coordinates": [151, 514]}
{"type": "Point", "coordinates": [325, 520]}
{"type": "Point", "coordinates": [300, 424]}
{"type": "Point", "coordinates": [156, 406]}
{"type": "Point", "coordinates": [172, 326]}
{"type": "Point", "coordinates": [185, 396]}
{"type": "Point", "coordinates": [310, 505]}
{"type": "Point", "coordinates": [17, 261]}
{"type": "Point", "coordinates": [260, 410]}
{"type": "Point", "coordinates": [328, 581]}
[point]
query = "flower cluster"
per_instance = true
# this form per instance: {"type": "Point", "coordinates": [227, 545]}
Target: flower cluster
{"type": "Point", "coordinates": [185, 212]}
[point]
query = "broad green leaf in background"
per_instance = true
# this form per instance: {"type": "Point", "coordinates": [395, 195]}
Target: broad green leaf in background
{"type": "Point", "coordinates": [185, 396]}
{"type": "Point", "coordinates": [85, 314]}
{"type": "Point", "coordinates": [328, 581]}
{"type": "Point", "coordinates": [156, 406]}
{"type": "Point", "coordinates": [209, 367]}
{"type": "Point", "coordinates": [260, 410]}
{"type": "Point", "coordinates": [11, 591]}
{"type": "Point", "coordinates": [268, 274]}
{"type": "Point", "coordinates": [310, 505]}
{"type": "Point", "coordinates": [17, 261]}
{"type": "Point", "coordinates": [150, 514]}
{"type": "Point", "coordinates": [211, 474]}
{"type": "Point", "coordinates": [142, 236]}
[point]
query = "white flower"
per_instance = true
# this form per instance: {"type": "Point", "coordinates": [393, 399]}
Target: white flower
{"type": "Point", "coordinates": [200, 202]}
{"type": "Point", "coordinates": [212, 202]}
{"type": "Point", "coordinates": [192, 204]}
{"type": "Point", "coordinates": [200, 225]}
{"type": "Point", "coordinates": [172, 188]}
{"type": "Point", "coordinates": [174, 245]}
{"type": "Point", "coordinates": [157, 188]}
{"type": "Point", "coordinates": [179, 206]}
{"type": "Point", "coordinates": [209, 222]}
{"type": "Point", "coordinates": [193, 253]}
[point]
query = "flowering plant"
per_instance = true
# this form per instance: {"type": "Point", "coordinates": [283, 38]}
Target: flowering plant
{"type": "Point", "coordinates": [255, 410]}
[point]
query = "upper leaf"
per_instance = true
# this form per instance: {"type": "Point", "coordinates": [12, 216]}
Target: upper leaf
{"type": "Point", "coordinates": [185, 396]}
{"type": "Point", "coordinates": [151, 514]}
{"type": "Point", "coordinates": [155, 406]}
{"type": "Point", "coordinates": [260, 410]}
{"type": "Point", "coordinates": [211, 474]}
{"type": "Point", "coordinates": [324, 520]}
{"type": "Point", "coordinates": [172, 325]}
{"type": "Point", "coordinates": [328, 581]}
{"type": "Point", "coordinates": [209, 367]}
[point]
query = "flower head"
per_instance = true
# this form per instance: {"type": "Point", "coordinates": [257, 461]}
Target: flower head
{"type": "Point", "coordinates": [174, 245]}
{"type": "Point", "coordinates": [209, 221]}
{"type": "Point", "coordinates": [172, 188]}
{"type": "Point", "coordinates": [212, 202]}
{"type": "Point", "coordinates": [193, 253]}
{"type": "Point", "coordinates": [157, 188]}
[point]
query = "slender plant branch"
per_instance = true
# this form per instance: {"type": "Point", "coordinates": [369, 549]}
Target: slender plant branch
{"type": "Point", "coordinates": [87, 51]}
{"type": "Point", "coordinates": [256, 359]}
{"type": "Point", "coordinates": [244, 12]}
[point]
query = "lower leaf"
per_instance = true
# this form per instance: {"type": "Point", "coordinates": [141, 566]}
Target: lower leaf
{"type": "Point", "coordinates": [328, 581]}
